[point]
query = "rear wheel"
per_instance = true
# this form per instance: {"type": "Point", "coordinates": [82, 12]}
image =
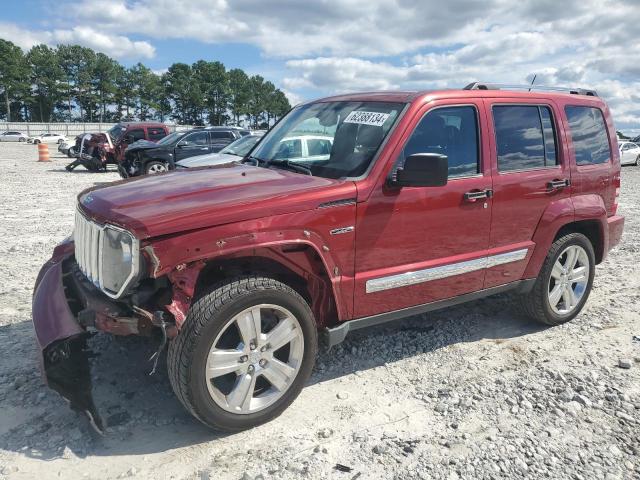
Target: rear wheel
{"type": "Point", "coordinates": [564, 282]}
{"type": "Point", "coordinates": [244, 353]}
{"type": "Point", "coordinates": [638, 161]}
{"type": "Point", "coordinates": [156, 167]}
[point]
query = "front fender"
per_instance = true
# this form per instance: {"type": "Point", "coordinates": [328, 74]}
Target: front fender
{"type": "Point", "coordinates": [189, 250]}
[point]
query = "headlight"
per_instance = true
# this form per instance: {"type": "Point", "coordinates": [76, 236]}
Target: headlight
{"type": "Point", "coordinates": [108, 256]}
{"type": "Point", "coordinates": [118, 260]}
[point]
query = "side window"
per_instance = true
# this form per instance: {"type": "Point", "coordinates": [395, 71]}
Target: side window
{"type": "Point", "coordinates": [291, 148]}
{"type": "Point", "coordinates": [156, 133]}
{"type": "Point", "coordinates": [318, 146]}
{"type": "Point", "coordinates": [451, 131]}
{"type": "Point", "coordinates": [221, 134]}
{"type": "Point", "coordinates": [525, 137]}
{"type": "Point", "coordinates": [589, 135]}
{"type": "Point", "coordinates": [197, 138]}
{"type": "Point", "coordinates": [137, 134]}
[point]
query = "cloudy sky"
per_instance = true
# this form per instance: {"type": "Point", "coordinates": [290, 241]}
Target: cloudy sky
{"type": "Point", "coordinates": [312, 48]}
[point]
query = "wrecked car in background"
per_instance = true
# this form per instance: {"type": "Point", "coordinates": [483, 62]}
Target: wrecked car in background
{"type": "Point", "coordinates": [145, 158]}
{"type": "Point", "coordinates": [95, 151]}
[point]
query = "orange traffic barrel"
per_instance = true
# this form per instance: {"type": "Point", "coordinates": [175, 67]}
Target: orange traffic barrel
{"type": "Point", "coordinates": [43, 152]}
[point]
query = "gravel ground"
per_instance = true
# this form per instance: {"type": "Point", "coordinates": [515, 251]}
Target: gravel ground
{"type": "Point", "coordinates": [476, 391]}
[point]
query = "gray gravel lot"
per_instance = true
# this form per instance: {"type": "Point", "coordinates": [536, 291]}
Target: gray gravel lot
{"type": "Point", "coordinates": [476, 391]}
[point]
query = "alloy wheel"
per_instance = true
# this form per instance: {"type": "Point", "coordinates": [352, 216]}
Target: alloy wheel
{"type": "Point", "coordinates": [254, 359]}
{"type": "Point", "coordinates": [568, 280]}
{"type": "Point", "coordinates": [157, 168]}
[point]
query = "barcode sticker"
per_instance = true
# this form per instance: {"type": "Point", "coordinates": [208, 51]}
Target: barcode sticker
{"type": "Point", "coordinates": [376, 119]}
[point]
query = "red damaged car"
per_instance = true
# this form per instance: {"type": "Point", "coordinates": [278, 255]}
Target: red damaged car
{"type": "Point", "coordinates": [96, 150]}
{"type": "Point", "coordinates": [425, 200]}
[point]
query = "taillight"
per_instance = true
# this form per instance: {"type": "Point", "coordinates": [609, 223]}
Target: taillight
{"type": "Point", "coordinates": [616, 185]}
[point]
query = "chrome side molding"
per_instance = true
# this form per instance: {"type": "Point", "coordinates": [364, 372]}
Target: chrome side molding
{"type": "Point", "coordinates": [444, 271]}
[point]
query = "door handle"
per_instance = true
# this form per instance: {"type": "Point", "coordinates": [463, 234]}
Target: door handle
{"type": "Point", "coordinates": [475, 195]}
{"type": "Point", "coordinates": [558, 184]}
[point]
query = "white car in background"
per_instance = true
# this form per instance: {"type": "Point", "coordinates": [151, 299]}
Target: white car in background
{"type": "Point", "coordinates": [231, 153]}
{"type": "Point", "coordinates": [13, 136]}
{"type": "Point", "coordinates": [629, 153]}
{"type": "Point", "coordinates": [47, 138]}
{"type": "Point", "coordinates": [305, 148]}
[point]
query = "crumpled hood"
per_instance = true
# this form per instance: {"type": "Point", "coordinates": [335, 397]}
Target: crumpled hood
{"type": "Point", "coordinates": [190, 199]}
{"type": "Point", "coordinates": [141, 145]}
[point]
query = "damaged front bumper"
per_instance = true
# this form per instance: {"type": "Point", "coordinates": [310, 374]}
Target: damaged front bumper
{"type": "Point", "coordinates": [66, 309]}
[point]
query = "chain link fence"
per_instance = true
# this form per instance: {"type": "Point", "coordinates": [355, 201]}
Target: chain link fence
{"type": "Point", "coordinates": [68, 129]}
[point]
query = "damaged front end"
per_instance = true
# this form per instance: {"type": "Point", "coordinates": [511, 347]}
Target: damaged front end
{"type": "Point", "coordinates": [68, 309]}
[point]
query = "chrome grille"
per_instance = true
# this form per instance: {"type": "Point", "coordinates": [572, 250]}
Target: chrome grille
{"type": "Point", "coordinates": [86, 236]}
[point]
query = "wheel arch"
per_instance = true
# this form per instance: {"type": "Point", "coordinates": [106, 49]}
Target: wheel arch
{"type": "Point", "coordinates": [584, 214]}
{"type": "Point", "coordinates": [299, 265]}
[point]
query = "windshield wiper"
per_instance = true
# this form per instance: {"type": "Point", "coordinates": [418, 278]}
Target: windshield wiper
{"type": "Point", "coordinates": [298, 167]}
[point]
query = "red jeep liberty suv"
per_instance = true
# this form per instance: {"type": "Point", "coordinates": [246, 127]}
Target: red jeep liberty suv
{"type": "Point", "coordinates": [424, 200]}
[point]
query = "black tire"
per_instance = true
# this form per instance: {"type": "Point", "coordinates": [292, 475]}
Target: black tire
{"type": "Point", "coordinates": [638, 161]}
{"type": "Point", "coordinates": [60, 141]}
{"type": "Point", "coordinates": [536, 302]}
{"type": "Point", "coordinates": [208, 315]}
{"type": "Point", "coordinates": [36, 142]}
{"type": "Point", "coordinates": [148, 168]}
{"type": "Point", "coordinates": [22, 140]}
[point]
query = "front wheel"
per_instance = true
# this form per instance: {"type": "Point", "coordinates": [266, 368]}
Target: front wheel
{"type": "Point", "coordinates": [156, 167]}
{"type": "Point", "coordinates": [638, 161]}
{"type": "Point", "coordinates": [564, 282]}
{"type": "Point", "coordinates": [244, 353]}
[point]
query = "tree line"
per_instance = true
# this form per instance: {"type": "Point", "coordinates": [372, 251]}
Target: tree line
{"type": "Point", "coordinates": [74, 83]}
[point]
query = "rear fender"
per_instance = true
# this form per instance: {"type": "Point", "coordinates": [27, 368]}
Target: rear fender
{"type": "Point", "coordinates": [557, 214]}
{"type": "Point", "coordinates": [578, 208]}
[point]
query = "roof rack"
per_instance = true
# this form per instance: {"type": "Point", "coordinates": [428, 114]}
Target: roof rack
{"type": "Point", "coordinates": [500, 86]}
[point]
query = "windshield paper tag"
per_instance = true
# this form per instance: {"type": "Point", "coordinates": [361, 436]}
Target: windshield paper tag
{"type": "Point", "coordinates": [367, 118]}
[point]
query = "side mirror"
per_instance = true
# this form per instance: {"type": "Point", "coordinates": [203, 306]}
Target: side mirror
{"type": "Point", "coordinates": [182, 144]}
{"type": "Point", "coordinates": [423, 170]}
{"type": "Point", "coordinates": [129, 139]}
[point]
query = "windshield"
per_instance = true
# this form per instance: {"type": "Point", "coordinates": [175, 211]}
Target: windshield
{"type": "Point", "coordinates": [241, 146]}
{"type": "Point", "coordinates": [331, 139]}
{"type": "Point", "coordinates": [116, 132]}
{"type": "Point", "coordinates": [172, 137]}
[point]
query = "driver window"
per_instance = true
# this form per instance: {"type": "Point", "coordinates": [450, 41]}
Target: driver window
{"type": "Point", "coordinates": [198, 138]}
{"type": "Point", "coordinates": [450, 131]}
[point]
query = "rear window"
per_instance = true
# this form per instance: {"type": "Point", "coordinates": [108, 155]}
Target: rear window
{"type": "Point", "coordinates": [156, 133]}
{"type": "Point", "coordinates": [525, 137]}
{"type": "Point", "coordinates": [222, 134]}
{"type": "Point", "coordinates": [318, 146]}
{"type": "Point", "coordinates": [589, 135]}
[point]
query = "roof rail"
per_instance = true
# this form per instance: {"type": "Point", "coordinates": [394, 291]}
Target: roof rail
{"type": "Point", "coordinates": [501, 86]}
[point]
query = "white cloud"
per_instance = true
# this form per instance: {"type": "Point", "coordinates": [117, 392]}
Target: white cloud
{"type": "Point", "coordinates": [117, 46]}
{"type": "Point", "coordinates": [329, 46]}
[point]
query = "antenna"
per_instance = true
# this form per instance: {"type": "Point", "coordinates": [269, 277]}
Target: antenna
{"type": "Point", "coordinates": [533, 79]}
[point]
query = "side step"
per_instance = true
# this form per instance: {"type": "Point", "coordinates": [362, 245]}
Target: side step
{"type": "Point", "coordinates": [336, 335]}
